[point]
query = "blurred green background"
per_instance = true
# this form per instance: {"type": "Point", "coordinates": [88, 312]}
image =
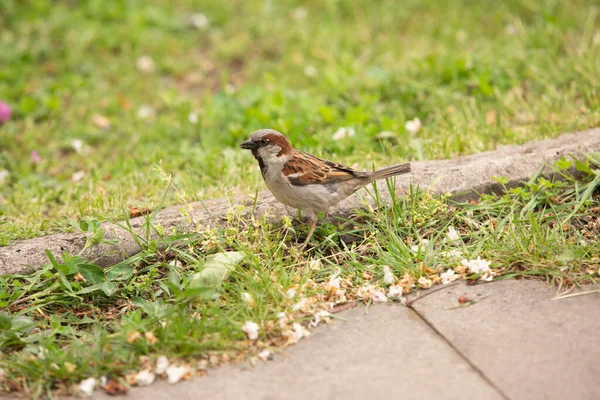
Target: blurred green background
{"type": "Point", "coordinates": [110, 97]}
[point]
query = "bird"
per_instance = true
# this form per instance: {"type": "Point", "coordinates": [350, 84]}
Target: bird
{"type": "Point", "coordinates": [306, 182]}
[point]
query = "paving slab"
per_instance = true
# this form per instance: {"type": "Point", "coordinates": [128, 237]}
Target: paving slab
{"type": "Point", "coordinates": [387, 352]}
{"type": "Point", "coordinates": [530, 346]}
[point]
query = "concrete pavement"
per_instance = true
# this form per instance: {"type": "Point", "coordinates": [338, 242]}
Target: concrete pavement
{"type": "Point", "coordinates": [514, 342]}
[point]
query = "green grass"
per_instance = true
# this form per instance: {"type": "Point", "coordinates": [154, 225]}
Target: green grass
{"type": "Point", "coordinates": [477, 74]}
{"type": "Point", "coordinates": [70, 321]}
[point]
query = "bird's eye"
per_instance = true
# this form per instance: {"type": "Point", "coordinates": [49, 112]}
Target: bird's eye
{"type": "Point", "coordinates": [263, 141]}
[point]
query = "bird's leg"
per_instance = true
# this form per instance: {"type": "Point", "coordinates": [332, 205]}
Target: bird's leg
{"type": "Point", "coordinates": [311, 229]}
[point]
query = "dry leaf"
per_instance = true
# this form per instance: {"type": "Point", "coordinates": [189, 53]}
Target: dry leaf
{"type": "Point", "coordinates": [113, 387]}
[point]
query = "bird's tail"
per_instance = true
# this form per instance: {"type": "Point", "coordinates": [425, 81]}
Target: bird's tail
{"type": "Point", "coordinates": [389, 171]}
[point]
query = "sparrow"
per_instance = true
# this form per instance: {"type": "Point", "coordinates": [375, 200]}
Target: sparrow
{"type": "Point", "coordinates": [306, 182]}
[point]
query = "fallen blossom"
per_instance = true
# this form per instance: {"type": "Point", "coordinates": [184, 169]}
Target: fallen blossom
{"type": "Point", "coordinates": [395, 291]}
{"type": "Point", "coordinates": [424, 282]}
{"type": "Point", "coordinates": [247, 297]}
{"type": "Point", "coordinates": [343, 133]}
{"type": "Point", "coordinates": [299, 13]}
{"type": "Point", "coordinates": [35, 157]}
{"type": "Point", "coordinates": [162, 363]}
{"type": "Point", "coordinates": [415, 247]}
{"type": "Point", "coordinates": [176, 373]}
{"type": "Point", "coordinates": [413, 126]}
{"type": "Point", "coordinates": [78, 145]}
{"type": "Point", "coordinates": [5, 112]}
{"type": "Point", "coordinates": [300, 331]}
{"type": "Point", "coordinates": [372, 293]}
{"type": "Point", "coordinates": [265, 355]}
{"type": "Point", "coordinates": [3, 175]}
{"type": "Point", "coordinates": [290, 293]}
{"type": "Point", "coordinates": [300, 305]}
{"type": "Point", "coordinates": [77, 176]}
{"type": "Point", "coordinates": [320, 316]}
{"type": "Point", "coordinates": [452, 234]}
{"type": "Point", "coordinates": [251, 330]}
{"type": "Point", "coordinates": [476, 266]}
{"type": "Point", "coordinates": [379, 297]}
{"type": "Point", "coordinates": [388, 276]}
{"type": "Point", "coordinates": [314, 265]}
{"type": "Point", "coordinates": [145, 64]}
{"type": "Point", "coordinates": [87, 386]}
{"type": "Point", "coordinates": [333, 283]}
{"type": "Point", "coordinates": [144, 378]}
{"type": "Point", "coordinates": [448, 276]}
{"type": "Point", "coordinates": [100, 121]}
{"type": "Point", "coordinates": [451, 254]}
{"type": "Point", "coordinates": [487, 276]}
{"type": "Point", "coordinates": [150, 337]}
{"type": "Point", "coordinates": [407, 282]}
{"type": "Point", "coordinates": [310, 71]}
{"type": "Point", "coordinates": [199, 21]}
{"type": "Point", "coordinates": [193, 118]}
{"type": "Point", "coordinates": [145, 112]}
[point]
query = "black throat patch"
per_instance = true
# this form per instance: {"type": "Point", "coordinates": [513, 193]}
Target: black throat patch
{"type": "Point", "coordinates": [261, 163]}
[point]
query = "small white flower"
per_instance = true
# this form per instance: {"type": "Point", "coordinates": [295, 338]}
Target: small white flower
{"type": "Point", "coordinates": [290, 293]}
{"type": "Point", "coordinates": [452, 234]}
{"type": "Point", "coordinates": [425, 283]}
{"type": "Point", "coordinates": [299, 13]}
{"type": "Point", "coordinates": [193, 118]}
{"type": "Point", "coordinates": [145, 112]}
{"type": "Point", "coordinates": [448, 276]}
{"type": "Point", "coordinates": [451, 254]}
{"type": "Point", "coordinates": [395, 291]}
{"type": "Point", "coordinates": [145, 64]}
{"type": "Point", "coordinates": [199, 21]}
{"type": "Point", "coordinates": [378, 296]}
{"type": "Point", "coordinates": [144, 378]}
{"type": "Point", "coordinates": [476, 266]}
{"type": "Point", "coordinates": [265, 355]}
{"type": "Point", "coordinates": [251, 330]}
{"type": "Point", "coordinates": [300, 331]}
{"type": "Point", "coordinates": [310, 71]}
{"type": "Point", "coordinates": [175, 373]}
{"type": "Point", "coordinates": [319, 316]}
{"type": "Point", "coordinates": [343, 133]}
{"type": "Point", "coordinates": [388, 276]}
{"type": "Point", "coordinates": [87, 386]}
{"type": "Point", "coordinates": [162, 363]}
{"type": "Point", "coordinates": [314, 265]}
{"type": "Point", "coordinates": [413, 126]}
{"type": "Point", "coordinates": [300, 305]}
{"type": "Point", "coordinates": [78, 145]}
{"type": "Point", "coordinates": [77, 176]}
{"type": "Point", "coordinates": [3, 175]}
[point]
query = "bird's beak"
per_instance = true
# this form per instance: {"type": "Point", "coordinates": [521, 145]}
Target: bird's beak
{"type": "Point", "coordinates": [249, 145]}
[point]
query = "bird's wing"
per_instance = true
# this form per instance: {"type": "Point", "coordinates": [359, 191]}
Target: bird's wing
{"type": "Point", "coordinates": [304, 169]}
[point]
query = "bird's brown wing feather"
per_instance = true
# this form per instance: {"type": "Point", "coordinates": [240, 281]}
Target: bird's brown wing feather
{"type": "Point", "coordinates": [304, 169]}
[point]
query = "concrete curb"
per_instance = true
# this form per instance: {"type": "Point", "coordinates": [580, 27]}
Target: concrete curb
{"type": "Point", "coordinates": [462, 177]}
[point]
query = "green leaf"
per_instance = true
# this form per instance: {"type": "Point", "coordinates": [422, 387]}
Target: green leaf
{"type": "Point", "coordinates": [120, 272]}
{"type": "Point", "coordinates": [5, 322]}
{"type": "Point", "coordinates": [563, 164]}
{"type": "Point", "coordinates": [21, 323]}
{"type": "Point", "coordinates": [583, 167]}
{"type": "Point", "coordinates": [92, 273]}
{"type": "Point", "coordinates": [594, 158]}
{"type": "Point", "coordinates": [109, 288]}
{"type": "Point", "coordinates": [216, 268]}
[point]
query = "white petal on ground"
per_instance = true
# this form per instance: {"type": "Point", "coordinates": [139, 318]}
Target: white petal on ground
{"type": "Point", "coordinates": [144, 378]}
{"type": "Point", "coordinates": [78, 145]}
{"type": "Point", "coordinates": [379, 296]}
{"type": "Point", "coordinates": [176, 373]}
{"type": "Point", "coordinates": [448, 276]}
{"type": "Point", "coordinates": [290, 293]}
{"type": "Point", "coordinates": [199, 21]}
{"type": "Point", "coordinates": [425, 283]}
{"type": "Point", "coordinates": [314, 265]}
{"type": "Point", "coordinates": [451, 254]}
{"type": "Point", "coordinates": [395, 291]}
{"type": "Point", "coordinates": [343, 133]}
{"type": "Point", "coordinates": [320, 316]}
{"type": "Point", "coordinates": [300, 331]}
{"type": "Point", "coordinates": [487, 276]}
{"type": "Point", "coordinates": [87, 386]}
{"type": "Point", "coordinates": [413, 126]}
{"type": "Point", "coordinates": [162, 363]}
{"type": "Point", "coordinates": [334, 282]}
{"type": "Point", "coordinates": [145, 64]}
{"type": "Point", "coordinates": [145, 112]}
{"type": "Point", "coordinates": [251, 330]}
{"type": "Point", "coordinates": [265, 355]}
{"type": "Point", "coordinates": [452, 234]}
{"type": "Point", "coordinates": [247, 297]}
{"type": "Point", "coordinates": [77, 176]}
{"type": "Point", "coordinates": [476, 266]}
{"type": "Point", "coordinates": [300, 305]}
{"type": "Point", "coordinates": [193, 118]}
{"type": "Point", "coordinates": [388, 276]}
